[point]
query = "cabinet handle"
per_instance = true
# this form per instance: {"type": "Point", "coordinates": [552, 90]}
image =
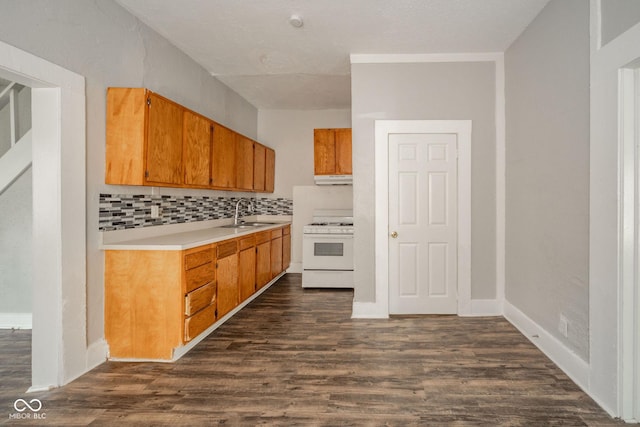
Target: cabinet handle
{"type": "Point", "coordinates": [394, 234]}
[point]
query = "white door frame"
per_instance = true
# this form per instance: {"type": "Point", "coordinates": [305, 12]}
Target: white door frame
{"type": "Point", "coordinates": [59, 347]}
{"type": "Point", "coordinates": [629, 240]}
{"type": "Point", "coordinates": [382, 130]}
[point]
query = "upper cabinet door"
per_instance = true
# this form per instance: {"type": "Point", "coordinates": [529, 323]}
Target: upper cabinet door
{"type": "Point", "coordinates": [197, 150]}
{"type": "Point", "coordinates": [126, 118]}
{"type": "Point", "coordinates": [324, 152]}
{"type": "Point", "coordinates": [332, 151]}
{"type": "Point", "coordinates": [343, 151]}
{"type": "Point", "coordinates": [223, 163]}
{"type": "Point", "coordinates": [164, 142]}
{"type": "Point", "coordinates": [259, 159]}
{"type": "Point", "coordinates": [244, 163]}
{"type": "Point", "coordinates": [270, 170]}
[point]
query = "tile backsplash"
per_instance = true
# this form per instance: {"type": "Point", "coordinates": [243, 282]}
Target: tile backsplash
{"type": "Point", "coordinates": [122, 211]}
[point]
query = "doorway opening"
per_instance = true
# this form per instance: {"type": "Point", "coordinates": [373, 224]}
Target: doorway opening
{"type": "Point", "coordinates": [58, 343]}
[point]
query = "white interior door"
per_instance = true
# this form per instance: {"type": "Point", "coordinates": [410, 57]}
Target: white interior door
{"type": "Point", "coordinates": [423, 223]}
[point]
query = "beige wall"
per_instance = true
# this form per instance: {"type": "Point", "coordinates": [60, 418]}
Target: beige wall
{"type": "Point", "coordinates": [109, 47]}
{"type": "Point", "coordinates": [460, 91]}
{"type": "Point", "coordinates": [547, 171]}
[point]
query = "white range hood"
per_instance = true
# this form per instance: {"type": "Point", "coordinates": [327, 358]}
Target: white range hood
{"type": "Point", "coordinates": [333, 179]}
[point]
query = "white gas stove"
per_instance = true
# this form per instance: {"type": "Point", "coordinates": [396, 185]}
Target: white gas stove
{"type": "Point", "coordinates": [327, 250]}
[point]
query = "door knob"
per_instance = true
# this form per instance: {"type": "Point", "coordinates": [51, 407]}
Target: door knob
{"type": "Point", "coordinates": [394, 234]}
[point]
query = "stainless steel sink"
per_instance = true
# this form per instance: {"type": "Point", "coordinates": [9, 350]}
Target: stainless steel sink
{"type": "Point", "coordinates": [238, 226]}
{"type": "Point", "coordinates": [258, 224]}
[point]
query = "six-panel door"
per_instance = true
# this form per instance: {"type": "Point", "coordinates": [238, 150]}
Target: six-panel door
{"type": "Point", "coordinates": [423, 223]}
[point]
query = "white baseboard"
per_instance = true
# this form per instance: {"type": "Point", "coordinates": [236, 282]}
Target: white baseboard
{"type": "Point", "coordinates": [16, 321]}
{"type": "Point", "coordinates": [485, 307]}
{"type": "Point", "coordinates": [479, 307]}
{"type": "Point", "coordinates": [575, 367]}
{"type": "Point", "coordinates": [295, 267]}
{"type": "Point", "coordinates": [368, 310]}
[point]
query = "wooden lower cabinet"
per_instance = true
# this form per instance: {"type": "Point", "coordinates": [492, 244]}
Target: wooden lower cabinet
{"type": "Point", "coordinates": [143, 303]}
{"type": "Point", "coordinates": [247, 267]}
{"type": "Point", "coordinates": [157, 301]}
{"type": "Point", "coordinates": [227, 272]}
{"type": "Point", "coordinates": [263, 258]}
{"type": "Point", "coordinates": [196, 324]}
{"type": "Point", "coordinates": [276, 252]}
{"type": "Point", "coordinates": [286, 247]}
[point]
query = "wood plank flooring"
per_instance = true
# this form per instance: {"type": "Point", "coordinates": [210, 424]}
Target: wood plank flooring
{"type": "Point", "coordinates": [295, 357]}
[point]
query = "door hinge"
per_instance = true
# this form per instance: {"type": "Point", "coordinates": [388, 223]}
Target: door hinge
{"type": "Point", "coordinates": [216, 265]}
{"type": "Point", "coordinates": [216, 313]}
{"type": "Point", "coordinates": [149, 101]}
{"type": "Point", "coordinates": [146, 174]}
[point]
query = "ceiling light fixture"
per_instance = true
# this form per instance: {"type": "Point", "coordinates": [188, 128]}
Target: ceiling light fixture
{"type": "Point", "coordinates": [296, 21]}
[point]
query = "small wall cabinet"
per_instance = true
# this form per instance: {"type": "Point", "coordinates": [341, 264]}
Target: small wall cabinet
{"type": "Point", "coordinates": [154, 141]}
{"type": "Point", "coordinates": [332, 151]}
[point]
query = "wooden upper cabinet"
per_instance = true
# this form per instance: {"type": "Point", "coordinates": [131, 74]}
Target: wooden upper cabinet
{"type": "Point", "coordinates": [264, 168]}
{"type": "Point", "coordinates": [144, 139]}
{"type": "Point", "coordinates": [332, 151]}
{"type": "Point", "coordinates": [343, 151]}
{"type": "Point", "coordinates": [244, 163]}
{"type": "Point", "coordinates": [126, 118]}
{"type": "Point", "coordinates": [270, 170]}
{"type": "Point", "coordinates": [223, 158]}
{"type": "Point", "coordinates": [153, 141]}
{"type": "Point", "coordinates": [164, 141]}
{"type": "Point", "coordinates": [324, 152]}
{"type": "Point", "coordinates": [259, 159]}
{"type": "Point", "coordinates": [198, 132]}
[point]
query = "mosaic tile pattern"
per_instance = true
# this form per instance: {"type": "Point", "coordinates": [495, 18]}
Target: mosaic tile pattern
{"type": "Point", "coordinates": [123, 211]}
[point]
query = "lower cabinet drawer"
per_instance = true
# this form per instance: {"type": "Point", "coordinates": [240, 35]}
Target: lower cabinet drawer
{"type": "Point", "coordinates": [199, 276]}
{"type": "Point", "coordinates": [196, 324]}
{"type": "Point", "coordinates": [227, 248]}
{"type": "Point", "coordinates": [263, 236]}
{"type": "Point", "coordinates": [195, 259]}
{"type": "Point", "coordinates": [199, 299]}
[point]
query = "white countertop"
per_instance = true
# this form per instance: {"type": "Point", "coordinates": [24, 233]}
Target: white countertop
{"type": "Point", "coordinates": [186, 239]}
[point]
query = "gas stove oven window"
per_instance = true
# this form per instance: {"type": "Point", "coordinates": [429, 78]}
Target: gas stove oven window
{"type": "Point", "coordinates": [327, 253]}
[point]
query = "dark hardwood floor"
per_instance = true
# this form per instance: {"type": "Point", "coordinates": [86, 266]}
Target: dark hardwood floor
{"type": "Point", "coordinates": [295, 357]}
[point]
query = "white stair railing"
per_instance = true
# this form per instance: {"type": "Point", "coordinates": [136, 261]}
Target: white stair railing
{"type": "Point", "coordinates": [17, 159]}
{"type": "Point", "coordinates": [15, 162]}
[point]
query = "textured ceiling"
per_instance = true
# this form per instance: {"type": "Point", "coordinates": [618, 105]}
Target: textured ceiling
{"type": "Point", "coordinates": [251, 47]}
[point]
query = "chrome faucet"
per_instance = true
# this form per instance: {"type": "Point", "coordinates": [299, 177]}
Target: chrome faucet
{"type": "Point", "coordinates": [235, 217]}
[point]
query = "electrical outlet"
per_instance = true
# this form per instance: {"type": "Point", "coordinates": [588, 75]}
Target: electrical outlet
{"type": "Point", "coordinates": [156, 211]}
{"type": "Point", "coordinates": [563, 326]}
